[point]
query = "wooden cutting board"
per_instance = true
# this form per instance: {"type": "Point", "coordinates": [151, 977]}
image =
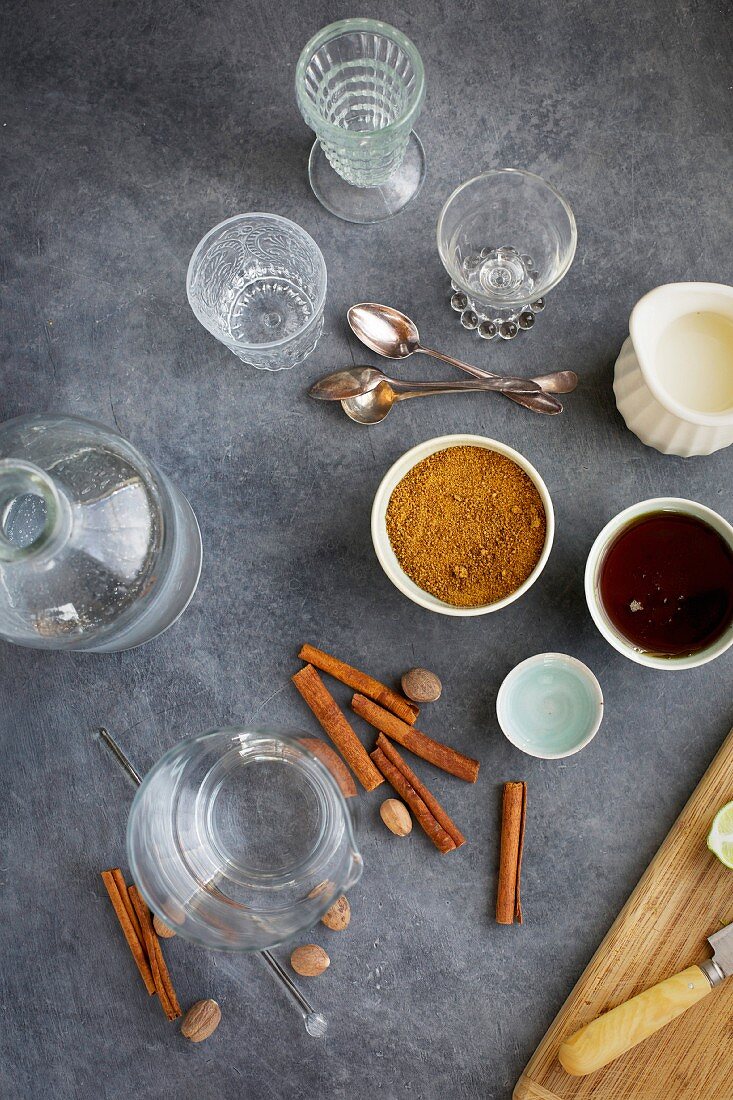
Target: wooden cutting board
{"type": "Point", "coordinates": [684, 896]}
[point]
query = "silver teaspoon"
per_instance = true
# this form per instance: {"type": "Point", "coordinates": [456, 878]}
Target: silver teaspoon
{"type": "Point", "coordinates": [395, 336]}
{"type": "Point", "coordinates": [349, 383]}
{"type": "Point", "coordinates": [367, 395]}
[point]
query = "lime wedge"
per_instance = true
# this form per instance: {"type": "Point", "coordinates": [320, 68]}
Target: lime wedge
{"type": "Point", "coordinates": [720, 837]}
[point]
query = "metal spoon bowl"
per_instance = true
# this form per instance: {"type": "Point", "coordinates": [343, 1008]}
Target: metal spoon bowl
{"type": "Point", "coordinates": [371, 407]}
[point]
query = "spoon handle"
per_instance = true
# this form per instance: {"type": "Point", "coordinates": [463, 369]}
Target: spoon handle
{"type": "Point", "coordinates": [503, 384]}
{"type": "Point", "coordinates": [538, 402]}
{"type": "Point", "coordinates": [407, 390]}
{"type": "Point", "coordinates": [315, 1024]}
{"type": "Point", "coordinates": [559, 381]}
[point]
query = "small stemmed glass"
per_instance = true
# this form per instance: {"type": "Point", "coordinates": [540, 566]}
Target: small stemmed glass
{"type": "Point", "coordinates": [506, 238]}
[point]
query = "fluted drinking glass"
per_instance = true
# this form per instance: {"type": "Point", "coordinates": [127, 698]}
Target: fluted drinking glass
{"type": "Point", "coordinates": [257, 282]}
{"type": "Point", "coordinates": [360, 86]}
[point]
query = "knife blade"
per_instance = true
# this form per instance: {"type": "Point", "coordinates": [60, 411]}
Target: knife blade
{"type": "Point", "coordinates": [721, 965]}
{"type": "Point", "coordinates": [620, 1029]}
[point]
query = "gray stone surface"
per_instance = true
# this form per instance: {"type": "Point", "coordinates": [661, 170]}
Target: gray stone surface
{"type": "Point", "coordinates": [126, 131]}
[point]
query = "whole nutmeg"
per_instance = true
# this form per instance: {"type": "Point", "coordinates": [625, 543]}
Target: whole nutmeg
{"type": "Point", "coordinates": [421, 686]}
{"type": "Point", "coordinates": [396, 816]}
{"type": "Point", "coordinates": [162, 929]}
{"type": "Point", "coordinates": [338, 916]}
{"type": "Point", "coordinates": [309, 960]}
{"type": "Point", "coordinates": [201, 1020]}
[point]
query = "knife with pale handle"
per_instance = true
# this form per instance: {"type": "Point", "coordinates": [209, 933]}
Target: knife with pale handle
{"type": "Point", "coordinates": [620, 1029]}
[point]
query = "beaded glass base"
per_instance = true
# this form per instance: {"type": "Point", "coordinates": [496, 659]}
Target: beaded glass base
{"type": "Point", "coordinates": [367, 204]}
{"type": "Point", "coordinates": [498, 273]}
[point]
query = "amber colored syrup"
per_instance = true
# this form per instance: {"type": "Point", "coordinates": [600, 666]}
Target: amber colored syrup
{"type": "Point", "coordinates": [666, 584]}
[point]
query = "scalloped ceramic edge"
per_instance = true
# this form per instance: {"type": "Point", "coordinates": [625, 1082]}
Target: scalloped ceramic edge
{"type": "Point", "coordinates": [595, 559]}
{"type": "Point", "coordinates": [650, 413]}
{"type": "Point", "coordinates": [383, 548]}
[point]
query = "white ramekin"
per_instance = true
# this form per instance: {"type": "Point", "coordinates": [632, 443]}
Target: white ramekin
{"type": "Point", "coordinates": [592, 581]}
{"type": "Point", "coordinates": [383, 547]}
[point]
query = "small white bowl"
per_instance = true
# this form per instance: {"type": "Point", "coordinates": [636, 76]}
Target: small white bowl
{"type": "Point", "coordinates": [593, 566]}
{"type": "Point", "coordinates": [550, 706]}
{"type": "Point", "coordinates": [383, 547]}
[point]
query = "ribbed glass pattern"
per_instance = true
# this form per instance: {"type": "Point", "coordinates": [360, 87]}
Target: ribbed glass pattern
{"type": "Point", "coordinates": [361, 91]}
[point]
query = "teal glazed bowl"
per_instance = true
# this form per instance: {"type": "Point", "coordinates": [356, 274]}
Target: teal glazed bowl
{"type": "Point", "coordinates": [550, 706]}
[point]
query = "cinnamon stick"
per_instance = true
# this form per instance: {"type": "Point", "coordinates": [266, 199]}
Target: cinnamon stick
{"type": "Point", "coordinates": [427, 822]}
{"type": "Point", "coordinates": [513, 815]}
{"type": "Point", "coordinates": [331, 759]}
{"type": "Point", "coordinates": [124, 895]}
{"type": "Point", "coordinates": [161, 977]}
{"type": "Point", "coordinates": [442, 756]}
{"type": "Point", "coordinates": [429, 799]}
{"type": "Point", "coordinates": [359, 681]}
{"type": "Point", "coordinates": [134, 939]}
{"type": "Point", "coordinates": [334, 723]}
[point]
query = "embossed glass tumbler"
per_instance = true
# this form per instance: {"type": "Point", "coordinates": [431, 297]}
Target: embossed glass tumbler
{"type": "Point", "coordinates": [360, 85]}
{"type": "Point", "coordinates": [258, 283]}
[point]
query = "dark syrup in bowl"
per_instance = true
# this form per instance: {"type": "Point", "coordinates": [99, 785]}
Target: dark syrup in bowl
{"type": "Point", "coordinates": [666, 584]}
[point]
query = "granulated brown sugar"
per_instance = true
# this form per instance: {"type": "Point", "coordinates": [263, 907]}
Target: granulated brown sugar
{"type": "Point", "coordinates": [467, 525]}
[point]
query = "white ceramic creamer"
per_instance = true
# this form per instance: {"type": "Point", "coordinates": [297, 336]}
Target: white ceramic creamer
{"type": "Point", "coordinates": [674, 376]}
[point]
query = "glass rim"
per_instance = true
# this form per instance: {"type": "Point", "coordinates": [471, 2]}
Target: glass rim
{"type": "Point", "coordinates": [284, 340]}
{"type": "Point", "coordinates": [544, 288]}
{"type": "Point", "coordinates": [31, 478]}
{"type": "Point", "coordinates": [334, 30]}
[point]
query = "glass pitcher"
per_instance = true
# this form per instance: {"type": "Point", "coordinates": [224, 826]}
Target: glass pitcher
{"type": "Point", "coordinates": [98, 551]}
{"type": "Point", "coordinates": [241, 839]}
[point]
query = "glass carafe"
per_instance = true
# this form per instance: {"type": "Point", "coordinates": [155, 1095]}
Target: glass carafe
{"type": "Point", "coordinates": [241, 839]}
{"type": "Point", "coordinates": [98, 551]}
